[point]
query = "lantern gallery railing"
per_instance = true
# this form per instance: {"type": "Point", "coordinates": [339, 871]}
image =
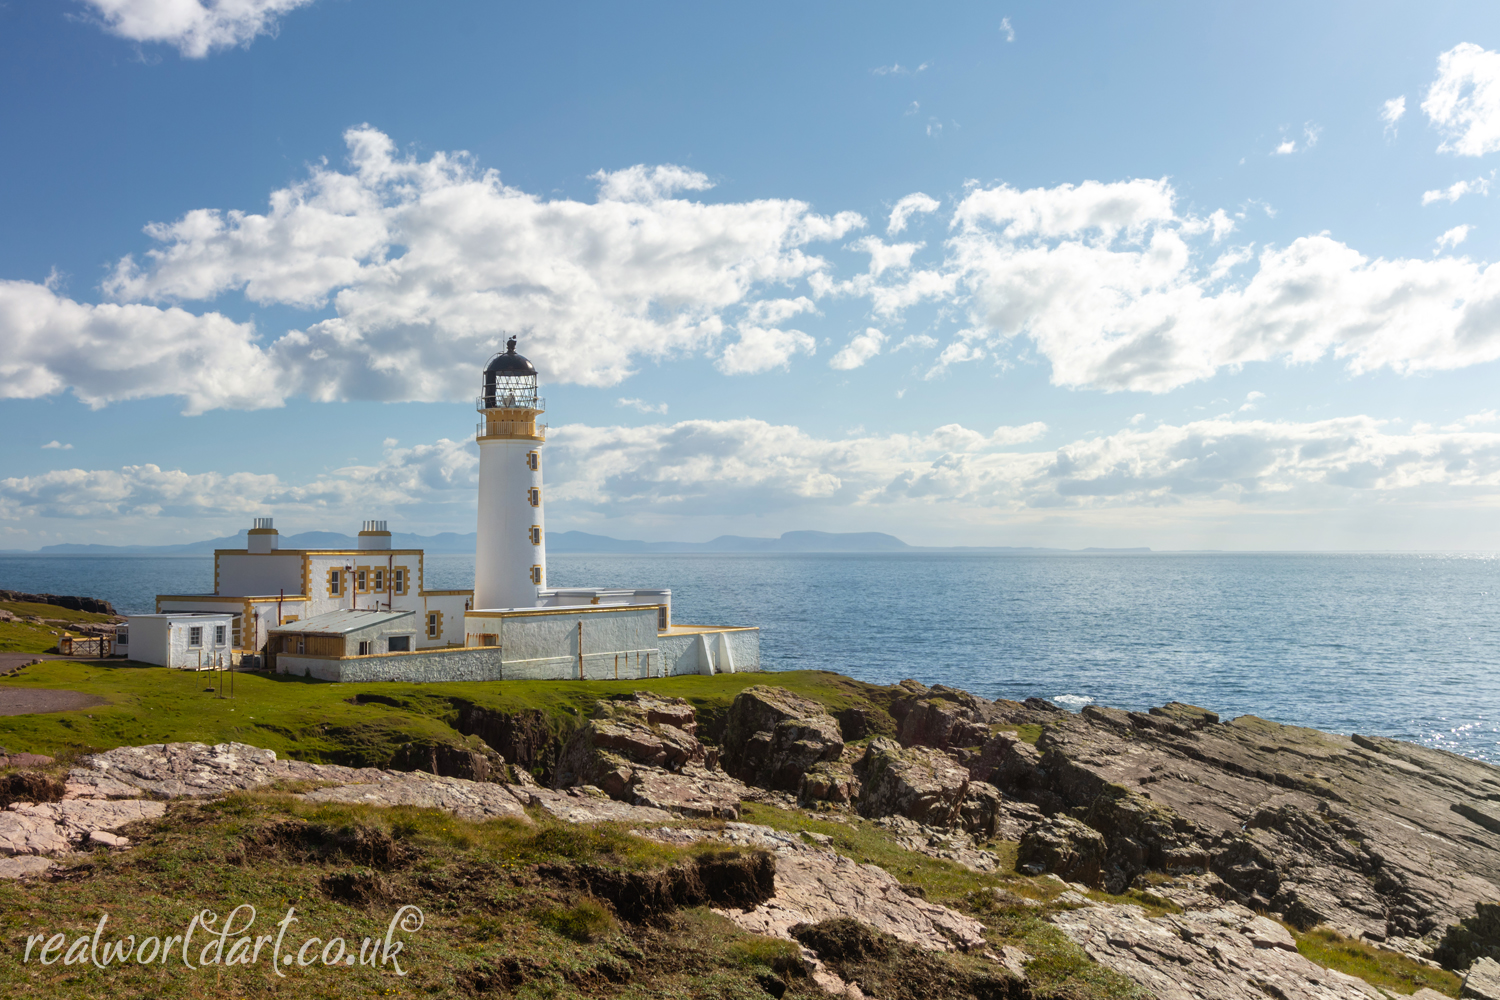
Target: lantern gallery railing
{"type": "Point", "coordinates": [508, 400]}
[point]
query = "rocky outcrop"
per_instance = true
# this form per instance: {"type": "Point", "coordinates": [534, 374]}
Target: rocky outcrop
{"type": "Point", "coordinates": [471, 800]}
{"type": "Point", "coordinates": [1373, 837]}
{"type": "Point", "coordinates": [59, 827]}
{"type": "Point", "coordinates": [829, 781]}
{"type": "Point", "coordinates": [9, 758]}
{"type": "Point", "coordinates": [642, 749]}
{"type": "Point", "coordinates": [927, 786]}
{"type": "Point", "coordinates": [1073, 851]}
{"type": "Point", "coordinates": [93, 605]}
{"type": "Point", "coordinates": [773, 737]}
{"type": "Point", "coordinates": [814, 885]}
{"type": "Point", "coordinates": [1228, 953]}
{"type": "Point", "coordinates": [1482, 982]}
{"type": "Point", "coordinates": [197, 770]}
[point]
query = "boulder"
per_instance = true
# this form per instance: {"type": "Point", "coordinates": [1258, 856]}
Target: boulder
{"type": "Point", "coordinates": [917, 782]}
{"type": "Point", "coordinates": [772, 737]}
{"type": "Point", "coordinates": [471, 800]}
{"type": "Point", "coordinates": [1069, 849]}
{"type": "Point", "coordinates": [828, 781]}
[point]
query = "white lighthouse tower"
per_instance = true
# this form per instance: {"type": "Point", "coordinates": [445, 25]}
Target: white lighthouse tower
{"type": "Point", "coordinates": [510, 561]}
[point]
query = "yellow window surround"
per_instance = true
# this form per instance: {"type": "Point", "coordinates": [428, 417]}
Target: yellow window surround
{"type": "Point", "coordinates": [534, 496]}
{"type": "Point", "coordinates": [535, 534]}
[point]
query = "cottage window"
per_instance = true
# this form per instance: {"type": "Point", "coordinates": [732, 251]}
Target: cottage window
{"type": "Point", "coordinates": [361, 578]}
{"type": "Point", "coordinates": [333, 582]}
{"type": "Point", "coordinates": [380, 581]}
{"type": "Point", "coordinates": [434, 624]}
{"type": "Point", "coordinates": [195, 635]}
{"type": "Point", "coordinates": [398, 580]}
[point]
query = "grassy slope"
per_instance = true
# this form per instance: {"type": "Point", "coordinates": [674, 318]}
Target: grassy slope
{"type": "Point", "coordinates": [34, 637]}
{"type": "Point", "coordinates": [315, 721]}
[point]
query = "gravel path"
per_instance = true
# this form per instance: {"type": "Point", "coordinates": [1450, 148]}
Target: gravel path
{"type": "Point", "coordinates": [25, 701]}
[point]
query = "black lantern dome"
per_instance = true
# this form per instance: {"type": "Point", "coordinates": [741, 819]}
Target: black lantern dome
{"type": "Point", "coordinates": [509, 381]}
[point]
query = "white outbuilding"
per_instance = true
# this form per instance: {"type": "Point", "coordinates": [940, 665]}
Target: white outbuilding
{"type": "Point", "coordinates": [182, 640]}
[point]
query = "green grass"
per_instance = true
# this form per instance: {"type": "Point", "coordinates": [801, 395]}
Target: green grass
{"type": "Point", "coordinates": [52, 611]}
{"type": "Point", "coordinates": [1384, 969]}
{"type": "Point", "coordinates": [27, 637]}
{"type": "Point", "coordinates": [314, 721]}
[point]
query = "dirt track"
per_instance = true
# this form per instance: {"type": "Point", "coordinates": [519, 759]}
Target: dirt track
{"type": "Point", "coordinates": [26, 701]}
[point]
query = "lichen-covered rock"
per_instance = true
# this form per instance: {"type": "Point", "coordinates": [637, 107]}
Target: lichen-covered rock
{"type": "Point", "coordinates": [1227, 953]}
{"type": "Point", "coordinates": [917, 782]}
{"type": "Point", "coordinates": [829, 781]}
{"type": "Point", "coordinates": [57, 827]}
{"type": "Point", "coordinates": [197, 770]}
{"type": "Point", "coordinates": [625, 734]}
{"type": "Point", "coordinates": [1069, 849]}
{"type": "Point", "coordinates": [772, 737]}
{"type": "Point", "coordinates": [694, 791]}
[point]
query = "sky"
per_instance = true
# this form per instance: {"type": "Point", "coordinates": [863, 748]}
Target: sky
{"type": "Point", "coordinates": [1178, 275]}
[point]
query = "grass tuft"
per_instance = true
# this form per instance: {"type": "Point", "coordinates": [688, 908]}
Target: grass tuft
{"type": "Point", "coordinates": [1380, 968]}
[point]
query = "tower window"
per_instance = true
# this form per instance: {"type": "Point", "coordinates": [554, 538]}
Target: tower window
{"type": "Point", "coordinates": [536, 575]}
{"type": "Point", "coordinates": [533, 460]}
{"type": "Point", "coordinates": [534, 496]}
{"type": "Point", "coordinates": [536, 534]}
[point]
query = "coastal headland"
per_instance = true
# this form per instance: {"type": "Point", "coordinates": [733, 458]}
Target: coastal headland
{"type": "Point", "coordinates": [790, 834]}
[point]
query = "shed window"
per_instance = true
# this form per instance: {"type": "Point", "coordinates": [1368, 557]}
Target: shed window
{"type": "Point", "coordinates": [219, 631]}
{"type": "Point", "coordinates": [399, 644]}
{"type": "Point", "coordinates": [195, 635]}
{"type": "Point", "coordinates": [534, 496]}
{"type": "Point", "coordinates": [364, 648]}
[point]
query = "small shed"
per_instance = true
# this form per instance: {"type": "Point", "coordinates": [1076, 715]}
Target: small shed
{"type": "Point", "coordinates": [182, 640]}
{"type": "Point", "coordinates": [347, 632]}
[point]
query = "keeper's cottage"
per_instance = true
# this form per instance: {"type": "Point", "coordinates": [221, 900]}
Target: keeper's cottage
{"type": "Point", "coordinates": [363, 614]}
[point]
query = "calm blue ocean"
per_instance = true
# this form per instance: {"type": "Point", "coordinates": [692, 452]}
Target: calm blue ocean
{"type": "Point", "coordinates": [1396, 645]}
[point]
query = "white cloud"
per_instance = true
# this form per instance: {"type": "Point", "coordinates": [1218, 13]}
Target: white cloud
{"type": "Point", "coordinates": [915, 340]}
{"type": "Point", "coordinates": [904, 209]}
{"type": "Point", "coordinates": [1456, 190]}
{"type": "Point", "coordinates": [860, 349]}
{"type": "Point", "coordinates": [1286, 147]}
{"type": "Point", "coordinates": [1221, 224]}
{"type": "Point", "coordinates": [1391, 112]}
{"type": "Point", "coordinates": [643, 183]}
{"type": "Point", "coordinates": [1116, 302]}
{"type": "Point", "coordinates": [642, 405]}
{"type": "Point", "coordinates": [57, 445]}
{"type": "Point", "coordinates": [760, 349]}
{"type": "Point", "coordinates": [1453, 237]}
{"type": "Point", "coordinates": [1250, 400]}
{"type": "Point", "coordinates": [1010, 33]}
{"type": "Point", "coordinates": [427, 264]}
{"type": "Point", "coordinates": [1463, 102]}
{"type": "Point", "coordinates": [959, 352]}
{"type": "Point", "coordinates": [195, 27]}
{"type": "Point", "coordinates": [106, 353]}
{"type": "Point", "coordinates": [896, 69]}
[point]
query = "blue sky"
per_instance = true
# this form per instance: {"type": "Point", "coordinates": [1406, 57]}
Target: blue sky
{"type": "Point", "coordinates": [1177, 275]}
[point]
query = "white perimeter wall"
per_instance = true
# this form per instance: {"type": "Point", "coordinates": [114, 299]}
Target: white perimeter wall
{"type": "Point", "coordinates": [728, 651]}
{"type": "Point", "coordinates": [545, 646]}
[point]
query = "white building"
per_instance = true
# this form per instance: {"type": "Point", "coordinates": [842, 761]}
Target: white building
{"type": "Point", "coordinates": [190, 640]}
{"type": "Point", "coordinates": [511, 626]}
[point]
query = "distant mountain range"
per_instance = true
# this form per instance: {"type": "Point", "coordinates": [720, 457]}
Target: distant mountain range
{"type": "Point", "coordinates": [561, 543]}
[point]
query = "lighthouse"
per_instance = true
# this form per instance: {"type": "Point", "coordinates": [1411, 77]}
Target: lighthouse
{"type": "Point", "coordinates": [510, 559]}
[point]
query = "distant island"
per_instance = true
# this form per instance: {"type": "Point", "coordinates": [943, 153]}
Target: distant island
{"type": "Point", "coordinates": [568, 543]}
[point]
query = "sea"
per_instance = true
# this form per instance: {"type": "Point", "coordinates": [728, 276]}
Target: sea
{"type": "Point", "coordinates": [1402, 645]}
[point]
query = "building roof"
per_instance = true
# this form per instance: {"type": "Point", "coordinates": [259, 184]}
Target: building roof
{"type": "Point", "coordinates": [343, 621]}
{"type": "Point", "coordinates": [185, 614]}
